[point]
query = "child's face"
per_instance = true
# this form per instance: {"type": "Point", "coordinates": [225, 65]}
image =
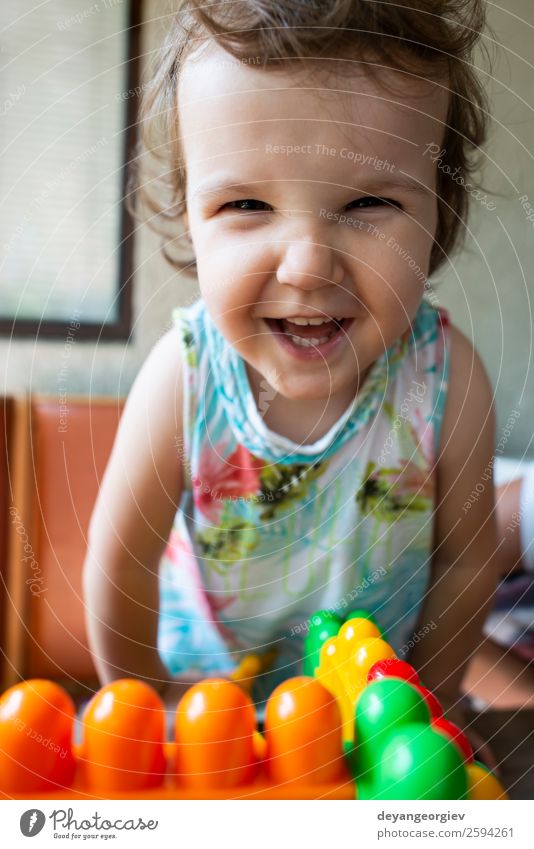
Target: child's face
{"type": "Point", "coordinates": [317, 236]}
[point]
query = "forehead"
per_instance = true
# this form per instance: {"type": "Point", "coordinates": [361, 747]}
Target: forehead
{"type": "Point", "coordinates": [228, 109]}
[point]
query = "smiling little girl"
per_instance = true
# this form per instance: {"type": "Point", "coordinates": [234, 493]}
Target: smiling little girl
{"type": "Point", "coordinates": [306, 434]}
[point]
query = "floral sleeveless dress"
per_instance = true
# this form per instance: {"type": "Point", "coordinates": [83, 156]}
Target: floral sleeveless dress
{"type": "Point", "coordinates": [269, 530]}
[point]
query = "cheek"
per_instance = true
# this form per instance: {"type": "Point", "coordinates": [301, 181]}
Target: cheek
{"type": "Point", "coordinates": [234, 272]}
{"type": "Point", "coordinates": [400, 263]}
{"type": "Point", "coordinates": [392, 298]}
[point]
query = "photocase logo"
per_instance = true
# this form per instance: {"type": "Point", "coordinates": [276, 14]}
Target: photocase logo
{"type": "Point", "coordinates": [32, 822]}
{"type": "Point", "coordinates": [267, 393]}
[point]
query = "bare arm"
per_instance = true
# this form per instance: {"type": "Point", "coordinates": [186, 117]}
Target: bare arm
{"type": "Point", "coordinates": [465, 561]}
{"type": "Point", "coordinates": [131, 523]}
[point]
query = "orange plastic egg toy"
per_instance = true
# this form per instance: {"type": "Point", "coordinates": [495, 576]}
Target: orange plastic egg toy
{"type": "Point", "coordinates": [36, 724]}
{"type": "Point", "coordinates": [123, 733]}
{"type": "Point", "coordinates": [303, 731]}
{"type": "Point", "coordinates": [215, 729]}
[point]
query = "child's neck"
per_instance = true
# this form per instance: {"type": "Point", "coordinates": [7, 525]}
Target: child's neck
{"type": "Point", "coordinates": [304, 422]}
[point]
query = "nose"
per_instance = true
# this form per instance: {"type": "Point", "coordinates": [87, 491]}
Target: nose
{"type": "Point", "coordinates": [309, 265]}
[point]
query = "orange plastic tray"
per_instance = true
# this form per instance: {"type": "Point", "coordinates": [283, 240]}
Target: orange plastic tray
{"type": "Point", "coordinates": [260, 788]}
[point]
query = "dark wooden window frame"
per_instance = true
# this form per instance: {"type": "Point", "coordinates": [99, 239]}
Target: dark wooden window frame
{"type": "Point", "coordinates": [121, 328]}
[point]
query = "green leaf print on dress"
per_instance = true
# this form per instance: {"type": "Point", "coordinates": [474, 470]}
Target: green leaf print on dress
{"type": "Point", "coordinates": [402, 492]}
{"type": "Point", "coordinates": [388, 493]}
{"type": "Point", "coordinates": [281, 485]}
{"type": "Point", "coordinates": [232, 541]}
{"type": "Point", "coordinates": [188, 339]}
{"type": "Point", "coordinates": [240, 492]}
{"type": "Point", "coordinates": [189, 343]}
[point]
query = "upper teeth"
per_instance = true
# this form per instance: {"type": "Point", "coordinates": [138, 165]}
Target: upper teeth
{"type": "Point", "coordinates": [299, 320]}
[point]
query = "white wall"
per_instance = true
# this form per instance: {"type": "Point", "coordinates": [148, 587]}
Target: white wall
{"type": "Point", "coordinates": [487, 288]}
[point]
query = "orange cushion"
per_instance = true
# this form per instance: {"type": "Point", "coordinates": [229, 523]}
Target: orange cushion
{"type": "Point", "coordinates": [69, 457]}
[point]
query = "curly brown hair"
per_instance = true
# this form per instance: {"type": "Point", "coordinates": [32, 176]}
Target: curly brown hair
{"type": "Point", "coordinates": [430, 39]}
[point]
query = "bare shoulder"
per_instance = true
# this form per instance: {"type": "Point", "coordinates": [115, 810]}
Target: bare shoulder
{"type": "Point", "coordinates": [465, 499]}
{"type": "Point", "coordinates": [469, 419]}
{"type": "Point", "coordinates": [153, 410]}
{"type": "Point", "coordinates": [160, 377]}
{"type": "Point", "coordinates": [464, 558]}
{"type": "Point", "coordinates": [144, 473]}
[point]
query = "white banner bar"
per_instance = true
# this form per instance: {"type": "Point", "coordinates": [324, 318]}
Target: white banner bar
{"type": "Point", "coordinates": [255, 825]}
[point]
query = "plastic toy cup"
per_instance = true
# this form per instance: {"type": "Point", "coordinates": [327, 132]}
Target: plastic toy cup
{"type": "Point", "coordinates": [303, 733]}
{"type": "Point", "coordinates": [123, 732]}
{"type": "Point", "coordinates": [36, 724]}
{"type": "Point", "coordinates": [215, 727]}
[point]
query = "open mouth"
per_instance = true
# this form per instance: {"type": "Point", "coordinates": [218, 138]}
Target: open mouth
{"type": "Point", "coordinates": [308, 335]}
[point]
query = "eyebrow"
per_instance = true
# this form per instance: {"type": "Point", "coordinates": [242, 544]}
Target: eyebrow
{"type": "Point", "coordinates": [401, 180]}
{"type": "Point", "coordinates": [218, 186]}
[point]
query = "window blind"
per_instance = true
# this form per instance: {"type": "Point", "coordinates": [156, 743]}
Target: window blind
{"type": "Point", "coordinates": [62, 117]}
